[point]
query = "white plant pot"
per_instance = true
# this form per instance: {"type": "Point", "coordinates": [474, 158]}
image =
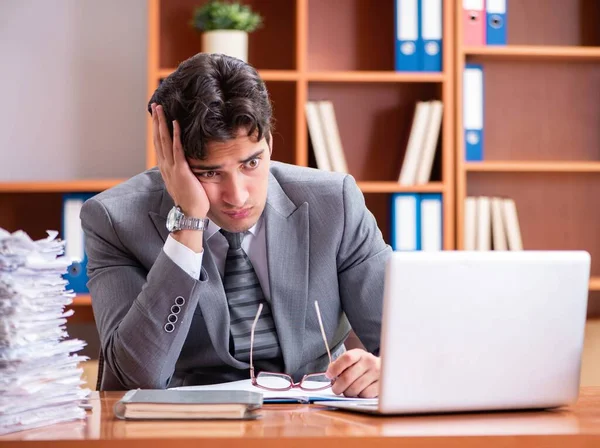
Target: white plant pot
{"type": "Point", "coordinates": [230, 42]}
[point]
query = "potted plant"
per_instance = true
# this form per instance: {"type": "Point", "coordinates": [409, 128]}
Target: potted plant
{"type": "Point", "coordinates": [225, 27]}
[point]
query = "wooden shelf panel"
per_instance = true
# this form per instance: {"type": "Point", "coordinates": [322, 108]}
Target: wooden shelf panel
{"type": "Point", "coordinates": [569, 53]}
{"type": "Point", "coordinates": [82, 300]}
{"type": "Point", "coordinates": [374, 76]}
{"type": "Point", "coordinates": [59, 186]}
{"type": "Point", "coordinates": [338, 76]}
{"type": "Point", "coordinates": [528, 166]}
{"type": "Point", "coordinates": [350, 35]}
{"type": "Point", "coordinates": [595, 284]}
{"type": "Point", "coordinates": [266, 75]}
{"type": "Point", "coordinates": [395, 187]}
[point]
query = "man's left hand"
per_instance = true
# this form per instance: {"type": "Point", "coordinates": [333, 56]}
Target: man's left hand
{"type": "Point", "coordinates": [356, 374]}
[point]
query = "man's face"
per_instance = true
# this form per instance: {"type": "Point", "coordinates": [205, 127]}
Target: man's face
{"type": "Point", "coordinates": [235, 175]}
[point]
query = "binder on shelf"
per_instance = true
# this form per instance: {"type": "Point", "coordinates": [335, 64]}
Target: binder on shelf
{"type": "Point", "coordinates": [470, 224]}
{"type": "Point", "coordinates": [406, 24]}
{"type": "Point", "coordinates": [473, 112]}
{"type": "Point", "coordinates": [72, 234]}
{"type": "Point", "coordinates": [474, 26]}
{"type": "Point", "coordinates": [406, 222]}
{"type": "Point", "coordinates": [491, 223]}
{"type": "Point", "coordinates": [317, 135]}
{"type": "Point", "coordinates": [430, 142]}
{"type": "Point", "coordinates": [431, 35]}
{"type": "Point", "coordinates": [499, 241]}
{"type": "Point", "coordinates": [414, 147]}
{"type": "Point", "coordinates": [484, 218]}
{"type": "Point", "coordinates": [333, 141]}
{"type": "Point", "coordinates": [431, 221]}
{"type": "Point", "coordinates": [496, 22]}
{"type": "Point", "coordinates": [511, 223]}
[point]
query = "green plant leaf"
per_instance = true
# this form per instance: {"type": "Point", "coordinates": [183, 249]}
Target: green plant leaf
{"type": "Point", "coordinates": [222, 15]}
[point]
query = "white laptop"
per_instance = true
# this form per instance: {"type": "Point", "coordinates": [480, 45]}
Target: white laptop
{"type": "Point", "coordinates": [475, 331]}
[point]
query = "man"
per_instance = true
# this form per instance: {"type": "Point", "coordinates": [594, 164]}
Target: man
{"type": "Point", "coordinates": [175, 306]}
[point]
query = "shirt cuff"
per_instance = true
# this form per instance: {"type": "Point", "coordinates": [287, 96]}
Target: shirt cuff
{"type": "Point", "coordinates": [184, 257]}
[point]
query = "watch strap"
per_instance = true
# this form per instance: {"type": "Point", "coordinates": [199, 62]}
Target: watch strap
{"type": "Point", "coordinates": [189, 223]}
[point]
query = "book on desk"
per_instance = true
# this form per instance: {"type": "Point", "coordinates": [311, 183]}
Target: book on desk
{"type": "Point", "coordinates": [154, 404]}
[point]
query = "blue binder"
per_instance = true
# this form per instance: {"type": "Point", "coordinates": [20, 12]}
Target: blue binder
{"type": "Point", "coordinates": [405, 222]}
{"type": "Point", "coordinates": [73, 235]}
{"type": "Point", "coordinates": [431, 35]}
{"type": "Point", "coordinates": [407, 44]}
{"type": "Point", "coordinates": [431, 220]}
{"type": "Point", "coordinates": [473, 112]}
{"type": "Point", "coordinates": [496, 22]}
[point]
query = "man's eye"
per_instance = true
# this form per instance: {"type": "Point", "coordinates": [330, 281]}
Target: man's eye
{"type": "Point", "coordinates": [208, 174]}
{"type": "Point", "coordinates": [253, 163]}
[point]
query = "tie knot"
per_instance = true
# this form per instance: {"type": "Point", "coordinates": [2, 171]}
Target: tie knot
{"type": "Point", "coordinates": [234, 239]}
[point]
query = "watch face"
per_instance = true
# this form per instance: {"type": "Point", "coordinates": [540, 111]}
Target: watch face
{"type": "Point", "coordinates": [173, 219]}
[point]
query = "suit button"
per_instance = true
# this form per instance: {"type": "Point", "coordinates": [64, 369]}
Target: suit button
{"type": "Point", "coordinates": [169, 327]}
{"type": "Point", "coordinates": [179, 301]}
{"type": "Point", "coordinates": [175, 309]}
{"type": "Point", "coordinates": [172, 318]}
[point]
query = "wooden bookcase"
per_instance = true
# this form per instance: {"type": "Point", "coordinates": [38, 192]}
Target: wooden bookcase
{"type": "Point", "coordinates": [542, 145]}
{"type": "Point", "coordinates": [541, 121]}
{"type": "Point", "coordinates": [343, 51]}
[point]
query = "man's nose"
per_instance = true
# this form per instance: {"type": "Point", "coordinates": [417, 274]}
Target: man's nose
{"type": "Point", "coordinates": [236, 193]}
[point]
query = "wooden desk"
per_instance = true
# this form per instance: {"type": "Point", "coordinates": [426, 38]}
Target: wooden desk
{"type": "Point", "coordinates": [313, 427]}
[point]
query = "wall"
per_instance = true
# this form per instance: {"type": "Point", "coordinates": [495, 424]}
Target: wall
{"type": "Point", "coordinates": [73, 89]}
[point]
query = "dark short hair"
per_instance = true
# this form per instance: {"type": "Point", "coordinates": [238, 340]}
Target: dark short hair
{"type": "Point", "coordinates": [213, 96]}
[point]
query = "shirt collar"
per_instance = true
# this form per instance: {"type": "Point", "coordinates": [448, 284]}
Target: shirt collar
{"type": "Point", "coordinates": [213, 228]}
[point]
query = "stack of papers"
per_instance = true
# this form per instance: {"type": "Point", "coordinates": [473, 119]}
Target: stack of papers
{"type": "Point", "coordinates": [40, 382]}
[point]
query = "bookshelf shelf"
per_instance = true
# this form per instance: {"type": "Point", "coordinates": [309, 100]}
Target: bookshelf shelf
{"type": "Point", "coordinates": [569, 53]}
{"type": "Point", "coordinates": [395, 187]}
{"type": "Point", "coordinates": [373, 76]}
{"type": "Point", "coordinates": [527, 166]}
{"type": "Point", "coordinates": [59, 186]}
{"type": "Point", "coordinates": [267, 75]}
{"type": "Point", "coordinates": [540, 87]}
{"type": "Point", "coordinates": [82, 300]}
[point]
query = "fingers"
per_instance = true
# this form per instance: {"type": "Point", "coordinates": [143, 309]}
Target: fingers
{"type": "Point", "coordinates": [178, 154]}
{"type": "Point", "coordinates": [364, 380]}
{"type": "Point", "coordinates": [156, 136]}
{"type": "Point", "coordinates": [356, 373]}
{"type": "Point", "coordinates": [343, 362]}
{"type": "Point", "coordinates": [164, 136]}
{"type": "Point", "coordinates": [371, 392]}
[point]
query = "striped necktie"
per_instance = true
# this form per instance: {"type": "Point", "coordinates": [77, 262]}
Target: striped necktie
{"type": "Point", "coordinates": [244, 294]}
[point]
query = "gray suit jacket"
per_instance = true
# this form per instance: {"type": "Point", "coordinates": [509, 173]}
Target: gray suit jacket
{"type": "Point", "coordinates": [322, 243]}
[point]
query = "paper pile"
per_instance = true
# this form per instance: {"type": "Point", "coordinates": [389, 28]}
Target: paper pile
{"type": "Point", "coordinates": [40, 382]}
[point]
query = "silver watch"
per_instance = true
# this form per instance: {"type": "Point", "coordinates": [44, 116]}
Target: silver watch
{"type": "Point", "coordinates": [176, 220]}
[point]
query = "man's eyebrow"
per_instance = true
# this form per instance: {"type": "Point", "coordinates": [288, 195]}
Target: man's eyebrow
{"type": "Point", "coordinates": [216, 167]}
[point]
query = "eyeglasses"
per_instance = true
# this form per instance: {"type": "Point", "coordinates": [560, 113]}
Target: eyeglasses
{"type": "Point", "coordinates": [282, 381]}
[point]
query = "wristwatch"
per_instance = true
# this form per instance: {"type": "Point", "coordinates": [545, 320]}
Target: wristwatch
{"type": "Point", "coordinates": [176, 220]}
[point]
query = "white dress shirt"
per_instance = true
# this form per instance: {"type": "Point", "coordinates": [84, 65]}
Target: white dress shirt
{"type": "Point", "coordinates": [254, 244]}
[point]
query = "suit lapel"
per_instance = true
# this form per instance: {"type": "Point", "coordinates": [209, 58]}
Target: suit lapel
{"type": "Point", "coordinates": [287, 240]}
{"type": "Point", "coordinates": [213, 302]}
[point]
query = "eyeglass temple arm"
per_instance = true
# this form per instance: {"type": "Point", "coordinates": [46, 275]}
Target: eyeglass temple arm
{"type": "Point", "coordinates": [260, 307]}
{"type": "Point", "coordinates": [322, 330]}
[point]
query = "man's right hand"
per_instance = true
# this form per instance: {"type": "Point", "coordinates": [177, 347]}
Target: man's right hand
{"type": "Point", "coordinates": [185, 189]}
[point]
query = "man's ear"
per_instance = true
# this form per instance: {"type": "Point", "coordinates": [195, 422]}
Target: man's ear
{"type": "Point", "coordinates": [270, 141]}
